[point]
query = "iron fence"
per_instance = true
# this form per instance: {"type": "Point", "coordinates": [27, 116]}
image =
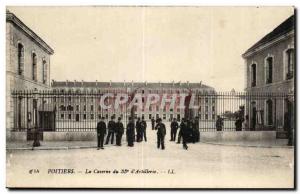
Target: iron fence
{"type": "Point", "coordinates": [56, 111]}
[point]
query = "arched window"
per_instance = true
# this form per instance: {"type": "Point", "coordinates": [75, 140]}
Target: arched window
{"type": "Point", "coordinates": [44, 66]}
{"type": "Point", "coordinates": [253, 75]}
{"type": "Point", "coordinates": [34, 67]}
{"type": "Point", "coordinates": [289, 63]}
{"type": "Point", "coordinates": [269, 70]}
{"type": "Point", "coordinates": [269, 112]}
{"type": "Point", "coordinates": [20, 69]}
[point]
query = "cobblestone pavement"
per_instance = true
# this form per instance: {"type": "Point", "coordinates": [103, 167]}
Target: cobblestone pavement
{"type": "Point", "coordinates": [202, 165]}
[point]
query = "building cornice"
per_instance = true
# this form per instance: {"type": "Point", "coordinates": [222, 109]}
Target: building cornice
{"type": "Point", "coordinates": [10, 17]}
{"type": "Point", "coordinates": [268, 44]}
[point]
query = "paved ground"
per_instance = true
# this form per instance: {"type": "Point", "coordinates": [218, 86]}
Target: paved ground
{"type": "Point", "coordinates": [203, 165]}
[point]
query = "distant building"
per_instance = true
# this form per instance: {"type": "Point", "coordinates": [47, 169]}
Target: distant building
{"type": "Point", "coordinates": [27, 62]}
{"type": "Point", "coordinates": [89, 108]}
{"type": "Point", "coordinates": [270, 65]}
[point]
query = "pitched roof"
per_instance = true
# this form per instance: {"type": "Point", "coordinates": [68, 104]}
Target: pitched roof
{"type": "Point", "coordinates": [71, 84]}
{"type": "Point", "coordinates": [10, 17]}
{"type": "Point", "coordinates": [285, 27]}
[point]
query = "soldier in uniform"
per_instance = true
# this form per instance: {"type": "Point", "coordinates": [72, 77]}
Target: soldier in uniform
{"type": "Point", "coordinates": [196, 132]}
{"type": "Point", "coordinates": [138, 127]}
{"type": "Point", "coordinates": [111, 130]}
{"type": "Point", "coordinates": [119, 131]}
{"type": "Point", "coordinates": [153, 123]}
{"type": "Point", "coordinates": [180, 131]}
{"type": "Point", "coordinates": [161, 133]}
{"type": "Point", "coordinates": [185, 133]}
{"type": "Point", "coordinates": [101, 131]}
{"type": "Point", "coordinates": [130, 132]}
{"type": "Point", "coordinates": [219, 123]}
{"type": "Point", "coordinates": [143, 130]}
{"type": "Point", "coordinates": [174, 127]}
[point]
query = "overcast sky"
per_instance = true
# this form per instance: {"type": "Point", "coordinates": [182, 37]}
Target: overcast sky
{"type": "Point", "coordinates": [152, 43]}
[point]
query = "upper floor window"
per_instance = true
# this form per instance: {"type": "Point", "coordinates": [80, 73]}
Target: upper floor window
{"type": "Point", "coordinates": [20, 59]}
{"type": "Point", "coordinates": [34, 67]}
{"type": "Point", "coordinates": [290, 59]}
{"type": "Point", "coordinates": [44, 66]}
{"type": "Point", "coordinates": [269, 70]}
{"type": "Point", "coordinates": [253, 75]}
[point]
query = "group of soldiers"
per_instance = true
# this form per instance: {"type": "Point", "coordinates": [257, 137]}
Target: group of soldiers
{"type": "Point", "coordinates": [136, 132]}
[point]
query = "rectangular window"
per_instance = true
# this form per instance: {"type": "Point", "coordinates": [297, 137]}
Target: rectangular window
{"type": "Point", "coordinates": [164, 116]}
{"type": "Point", "coordinates": [253, 75]}
{"type": "Point", "coordinates": [206, 100]}
{"type": "Point", "coordinates": [150, 116]}
{"type": "Point", "coordinates": [206, 108]}
{"type": "Point", "coordinates": [213, 108]}
{"type": "Point", "coordinates": [213, 116]}
{"type": "Point", "coordinates": [290, 64]}
{"type": "Point", "coordinates": [62, 116]}
{"type": "Point", "coordinates": [70, 117]}
{"type": "Point", "coordinates": [92, 107]}
{"type": "Point", "coordinates": [44, 66]}
{"type": "Point", "coordinates": [92, 116]}
{"type": "Point", "coordinates": [269, 70]}
{"type": "Point", "coordinates": [206, 116]}
{"type": "Point", "coordinates": [84, 107]}
{"type": "Point", "coordinates": [77, 107]}
{"type": "Point", "coordinates": [84, 116]}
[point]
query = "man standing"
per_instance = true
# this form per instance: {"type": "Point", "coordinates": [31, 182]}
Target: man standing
{"type": "Point", "coordinates": [119, 132]}
{"type": "Point", "coordinates": [143, 129]}
{"type": "Point", "coordinates": [130, 132]}
{"type": "Point", "coordinates": [111, 130]}
{"type": "Point", "coordinates": [196, 132]}
{"type": "Point", "coordinates": [138, 130]}
{"type": "Point", "coordinates": [161, 133]}
{"type": "Point", "coordinates": [185, 133]}
{"type": "Point", "coordinates": [219, 123]}
{"type": "Point", "coordinates": [101, 131]}
{"type": "Point", "coordinates": [153, 123]}
{"type": "Point", "coordinates": [174, 127]}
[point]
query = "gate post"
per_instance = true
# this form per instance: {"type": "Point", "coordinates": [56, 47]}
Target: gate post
{"type": "Point", "coordinates": [36, 141]}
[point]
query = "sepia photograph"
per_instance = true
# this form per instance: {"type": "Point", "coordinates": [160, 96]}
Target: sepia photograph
{"type": "Point", "coordinates": [150, 97]}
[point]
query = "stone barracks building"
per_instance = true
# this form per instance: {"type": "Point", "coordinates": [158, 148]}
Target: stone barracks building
{"type": "Point", "coordinates": [90, 110]}
{"type": "Point", "coordinates": [270, 68]}
{"type": "Point", "coordinates": [27, 63]}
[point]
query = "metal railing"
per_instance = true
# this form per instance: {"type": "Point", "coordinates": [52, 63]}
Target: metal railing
{"type": "Point", "coordinates": [56, 111]}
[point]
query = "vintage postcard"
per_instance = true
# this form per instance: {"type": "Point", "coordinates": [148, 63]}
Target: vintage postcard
{"type": "Point", "coordinates": [150, 97]}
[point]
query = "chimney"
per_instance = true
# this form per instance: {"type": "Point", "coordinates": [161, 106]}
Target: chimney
{"type": "Point", "coordinates": [188, 83]}
{"type": "Point", "coordinates": [131, 82]}
{"type": "Point", "coordinates": [180, 83]}
{"type": "Point", "coordinates": [109, 82]}
{"type": "Point", "coordinates": [146, 83]}
{"type": "Point", "coordinates": [124, 82]}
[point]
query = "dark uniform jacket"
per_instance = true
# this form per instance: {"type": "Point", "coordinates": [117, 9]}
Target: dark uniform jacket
{"type": "Point", "coordinates": [101, 127]}
{"type": "Point", "coordinates": [111, 126]}
{"type": "Point", "coordinates": [143, 125]}
{"type": "Point", "coordinates": [161, 129]}
{"type": "Point", "coordinates": [174, 125]}
{"type": "Point", "coordinates": [130, 129]}
{"type": "Point", "coordinates": [119, 128]}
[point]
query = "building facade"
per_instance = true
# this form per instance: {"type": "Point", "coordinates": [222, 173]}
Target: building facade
{"type": "Point", "coordinates": [270, 65]}
{"type": "Point", "coordinates": [88, 108]}
{"type": "Point", "coordinates": [27, 62]}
